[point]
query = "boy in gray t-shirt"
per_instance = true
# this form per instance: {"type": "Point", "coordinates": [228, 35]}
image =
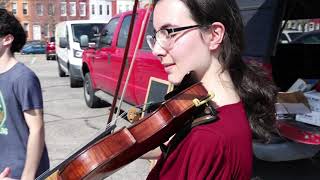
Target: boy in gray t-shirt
{"type": "Point", "coordinates": [23, 152]}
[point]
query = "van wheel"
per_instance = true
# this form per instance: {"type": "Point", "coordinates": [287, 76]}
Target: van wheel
{"type": "Point", "coordinates": [74, 82]}
{"type": "Point", "coordinates": [92, 100]}
{"type": "Point", "coordinates": [61, 72]}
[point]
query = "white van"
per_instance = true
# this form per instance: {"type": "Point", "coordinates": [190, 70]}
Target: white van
{"type": "Point", "coordinates": [69, 53]}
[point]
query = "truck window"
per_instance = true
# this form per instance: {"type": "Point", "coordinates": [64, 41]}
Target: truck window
{"type": "Point", "coordinates": [150, 31]}
{"type": "Point", "coordinates": [107, 33]}
{"type": "Point", "coordinates": [124, 31]}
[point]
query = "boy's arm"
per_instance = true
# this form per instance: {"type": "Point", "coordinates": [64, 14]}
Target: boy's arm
{"type": "Point", "coordinates": [35, 146]}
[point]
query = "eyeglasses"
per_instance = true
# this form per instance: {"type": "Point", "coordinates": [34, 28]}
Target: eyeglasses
{"type": "Point", "coordinates": [163, 36]}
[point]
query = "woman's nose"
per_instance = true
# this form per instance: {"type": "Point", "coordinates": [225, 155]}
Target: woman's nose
{"type": "Point", "coordinates": [158, 50]}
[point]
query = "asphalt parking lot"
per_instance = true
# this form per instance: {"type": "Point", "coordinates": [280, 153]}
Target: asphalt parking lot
{"type": "Point", "coordinates": [70, 124]}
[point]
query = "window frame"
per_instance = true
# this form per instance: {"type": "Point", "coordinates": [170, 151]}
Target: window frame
{"type": "Point", "coordinates": [14, 7]}
{"type": "Point", "coordinates": [51, 9]}
{"type": "Point", "coordinates": [100, 9]}
{"type": "Point", "coordinates": [39, 9]}
{"type": "Point", "coordinates": [93, 11]}
{"type": "Point", "coordinates": [25, 9]}
{"type": "Point", "coordinates": [73, 8]}
{"type": "Point", "coordinates": [82, 9]}
{"type": "Point", "coordinates": [63, 5]}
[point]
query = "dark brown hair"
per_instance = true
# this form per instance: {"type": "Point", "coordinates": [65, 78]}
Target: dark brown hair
{"type": "Point", "coordinates": [256, 90]}
{"type": "Point", "coordinates": [10, 25]}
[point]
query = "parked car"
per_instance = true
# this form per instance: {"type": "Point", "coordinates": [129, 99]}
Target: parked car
{"type": "Point", "coordinates": [68, 51]}
{"type": "Point", "coordinates": [50, 49]}
{"type": "Point", "coordinates": [288, 35]}
{"type": "Point", "coordinates": [101, 63]}
{"type": "Point", "coordinates": [312, 37]}
{"type": "Point", "coordinates": [35, 47]}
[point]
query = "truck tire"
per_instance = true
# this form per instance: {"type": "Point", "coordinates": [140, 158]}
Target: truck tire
{"type": "Point", "coordinates": [92, 100]}
{"type": "Point", "coordinates": [61, 72]}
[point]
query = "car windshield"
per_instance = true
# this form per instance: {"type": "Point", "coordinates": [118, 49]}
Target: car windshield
{"type": "Point", "coordinates": [85, 29]}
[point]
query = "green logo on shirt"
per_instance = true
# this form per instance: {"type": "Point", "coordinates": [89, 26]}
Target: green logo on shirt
{"type": "Point", "coordinates": [3, 116]}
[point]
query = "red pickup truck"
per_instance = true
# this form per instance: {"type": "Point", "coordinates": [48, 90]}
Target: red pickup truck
{"type": "Point", "coordinates": [102, 61]}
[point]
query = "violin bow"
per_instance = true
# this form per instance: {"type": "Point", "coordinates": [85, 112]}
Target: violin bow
{"type": "Point", "coordinates": [114, 102]}
{"type": "Point", "coordinates": [143, 25]}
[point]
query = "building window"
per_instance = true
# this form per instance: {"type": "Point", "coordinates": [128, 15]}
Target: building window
{"type": "Point", "coordinates": [82, 9]}
{"type": "Point", "coordinates": [36, 29]}
{"type": "Point", "coordinates": [120, 9]}
{"type": "Point", "coordinates": [26, 27]}
{"type": "Point", "coordinates": [63, 8]}
{"type": "Point", "coordinates": [72, 7]}
{"type": "Point", "coordinates": [39, 9]}
{"type": "Point", "coordinates": [50, 9]}
{"type": "Point", "coordinates": [46, 30]}
{"type": "Point", "coordinates": [25, 8]}
{"type": "Point", "coordinates": [14, 8]}
{"type": "Point", "coordinates": [100, 9]}
{"type": "Point", "coordinates": [108, 10]}
{"type": "Point", "coordinates": [92, 9]}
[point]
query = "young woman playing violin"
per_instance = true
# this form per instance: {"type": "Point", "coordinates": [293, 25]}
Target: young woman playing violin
{"type": "Point", "coordinates": [206, 37]}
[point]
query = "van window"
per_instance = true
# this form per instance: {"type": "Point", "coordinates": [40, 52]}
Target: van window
{"type": "Point", "coordinates": [124, 31]}
{"type": "Point", "coordinates": [85, 29]}
{"type": "Point", "coordinates": [107, 33]}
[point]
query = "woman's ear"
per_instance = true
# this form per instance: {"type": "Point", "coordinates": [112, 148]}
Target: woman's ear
{"type": "Point", "coordinates": [217, 31]}
{"type": "Point", "coordinates": [8, 39]}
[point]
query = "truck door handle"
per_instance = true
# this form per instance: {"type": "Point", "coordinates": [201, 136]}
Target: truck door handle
{"type": "Point", "coordinates": [109, 58]}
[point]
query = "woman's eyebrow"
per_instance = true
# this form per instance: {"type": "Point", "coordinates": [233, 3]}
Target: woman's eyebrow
{"type": "Point", "coordinates": [166, 26]}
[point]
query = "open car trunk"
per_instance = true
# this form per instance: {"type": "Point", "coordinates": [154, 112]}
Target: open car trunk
{"type": "Point", "coordinates": [264, 21]}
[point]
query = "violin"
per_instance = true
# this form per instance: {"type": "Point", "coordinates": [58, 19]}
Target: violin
{"type": "Point", "coordinates": [111, 152]}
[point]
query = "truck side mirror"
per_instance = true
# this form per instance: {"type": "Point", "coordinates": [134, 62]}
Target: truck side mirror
{"type": "Point", "coordinates": [63, 43]}
{"type": "Point", "coordinates": [84, 41]}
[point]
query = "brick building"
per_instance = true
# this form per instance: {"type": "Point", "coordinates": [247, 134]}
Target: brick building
{"type": "Point", "coordinates": [39, 17]}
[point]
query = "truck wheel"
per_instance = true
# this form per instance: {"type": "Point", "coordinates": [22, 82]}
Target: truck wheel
{"type": "Point", "coordinates": [92, 101]}
{"type": "Point", "coordinates": [61, 72]}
